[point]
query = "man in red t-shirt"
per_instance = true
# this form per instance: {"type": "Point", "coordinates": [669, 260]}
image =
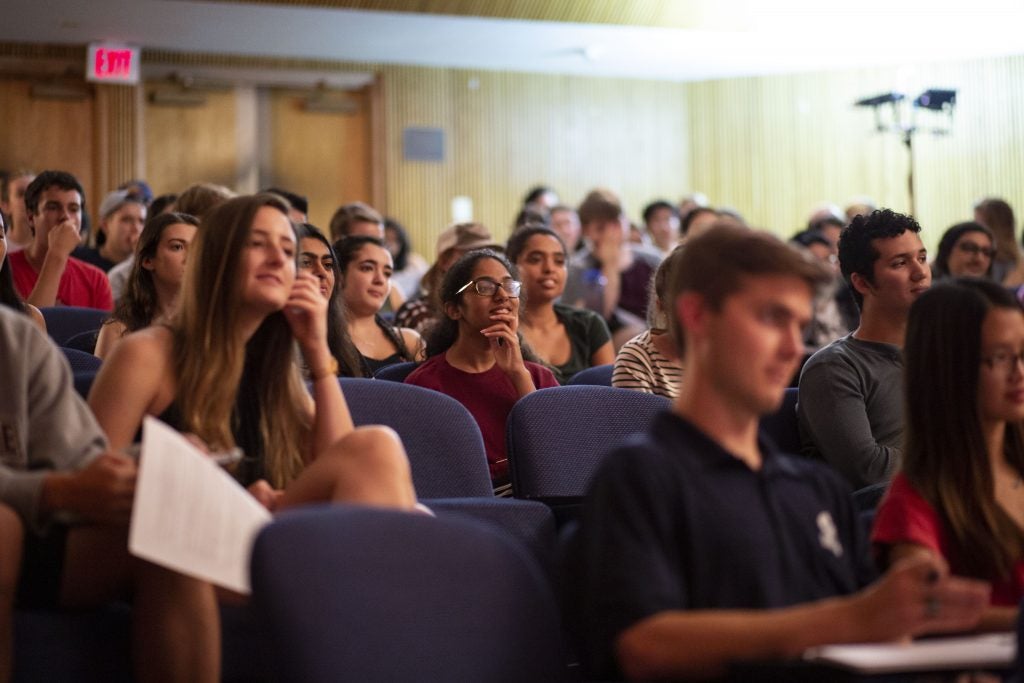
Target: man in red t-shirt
{"type": "Point", "coordinates": [44, 272]}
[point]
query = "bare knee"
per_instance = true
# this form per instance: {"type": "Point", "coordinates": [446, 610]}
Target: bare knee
{"type": "Point", "coordinates": [375, 447]}
{"type": "Point", "coordinates": [373, 468]}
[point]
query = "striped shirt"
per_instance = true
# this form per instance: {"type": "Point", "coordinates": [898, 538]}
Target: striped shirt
{"type": "Point", "coordinates": [639, 365]}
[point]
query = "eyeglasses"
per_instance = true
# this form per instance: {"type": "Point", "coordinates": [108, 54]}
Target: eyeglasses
{"type": "Point", "coordinates": [485, 286]}
{"type": "Point", "coordinates": [1004, 361]}
{"type": "Point", "coordinates": [974, 249]}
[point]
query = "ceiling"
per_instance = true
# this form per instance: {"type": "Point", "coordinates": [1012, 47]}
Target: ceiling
{"type": "Point", "coordinates": [675, 40]}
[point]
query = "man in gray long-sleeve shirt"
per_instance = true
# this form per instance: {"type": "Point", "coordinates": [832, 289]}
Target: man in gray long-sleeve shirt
{"type": "Point", "coordinates": [65, 502]}
{"type": "Point", "coordinates": [850, 407]}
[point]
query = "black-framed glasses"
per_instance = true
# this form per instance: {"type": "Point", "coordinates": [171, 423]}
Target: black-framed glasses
{"type": "Point", "coordinates": [1003, 361]}
{"type": "Point", "coordinates": [975, 249]}
{"type": "Point", "coordinates": [485, 286]}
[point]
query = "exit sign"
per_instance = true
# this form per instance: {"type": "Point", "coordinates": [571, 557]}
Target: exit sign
{"type": "Point", "coordinates": [107, 63]}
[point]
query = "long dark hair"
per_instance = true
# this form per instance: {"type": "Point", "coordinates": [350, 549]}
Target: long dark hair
{"type": "Point", "coordinates": [138, 306]}
{"type": "Point", "coordinates": [441, 336]}
{"type": "Point", "coordinates": [338, 340]}
{"type": "Point", "coordinates": [402, 257]}
{"type": "Point", "coordinates": [346, 249]}
{"type": "Point", "coordinates": [945, 456]}
{"type": "Point", "coordinates": [8, 294]}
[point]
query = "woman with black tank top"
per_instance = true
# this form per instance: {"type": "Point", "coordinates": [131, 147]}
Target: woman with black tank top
{"type": "Point", "coordinates": [225, 370]}
{"type": "Point", "coordinates": [365, 268]}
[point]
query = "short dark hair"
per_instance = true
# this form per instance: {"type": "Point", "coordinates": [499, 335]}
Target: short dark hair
{"type": "Point", "coordinates": [857, 254]}
{"type": "Point", "coordinates": [940, 267]}
{"type": "Point", "coordinates": [47, 179]}
{"type": "Point", "coordinates": [600, 205]}
{"type": "Point", "coordinates": [658, 205]}
{"type": "Point", "coordinates": [298, 202]}
{"type": "Point", "coordinates": [684, 225]}
{"type": "Point", "coordinates": [517, 242]}
{"type": "Point", "coordinates": [713, 264]}
{"type": "Point", "coordinates": [805, 238]}
{"type": "Point", "coordinates": [535, 193]}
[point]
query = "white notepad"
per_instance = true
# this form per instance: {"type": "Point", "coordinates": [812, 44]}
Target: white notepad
{"type": "Point", "coordinates": [189, 514]}
{"type": "Point", "coordinates": [985, 651]}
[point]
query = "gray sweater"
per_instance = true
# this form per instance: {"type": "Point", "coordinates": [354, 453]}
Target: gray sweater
{"type": "Point", "coordinates": [850, 409]}
{"type": "Point", "coordinates": [44, 425]}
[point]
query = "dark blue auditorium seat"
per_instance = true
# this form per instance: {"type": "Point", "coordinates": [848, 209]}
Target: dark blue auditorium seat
{"type": "Point", "coordinates": [557, 438]}
{"type": "Point", "coordinates": [397, 372]}
{"type": "Point", "coordinates": [64, 322]}
{"type": "Point", "coordinates": [600, 375]}
{"type": "Point", "coordinates": [441, 438]}
{"type": "Point", "coordinates": [371, 595]}
{"type": "Point", "coordinates": [81, 361]}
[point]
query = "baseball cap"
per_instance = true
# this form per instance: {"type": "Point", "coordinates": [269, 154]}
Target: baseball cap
{"type": "Point", "coordinates": [115, 200]}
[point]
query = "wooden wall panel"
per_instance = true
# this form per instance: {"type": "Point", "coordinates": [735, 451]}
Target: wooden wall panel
{"type": "Point", "coordinates": [506, 132]}
{"type": "Point", "coordinates": [325, 156]}
{"type": "Point", "coordinates": [42, 134]}
{"type": "Point", "coordinates": [117, 133]}
{"type": "Point", "coordinates": [184, 145]}
{"type": "Point", "coordinates": [775, 147]}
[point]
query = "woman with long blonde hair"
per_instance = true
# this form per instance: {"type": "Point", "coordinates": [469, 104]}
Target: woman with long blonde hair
{"type": "Point", "coordinates": [226, 371]}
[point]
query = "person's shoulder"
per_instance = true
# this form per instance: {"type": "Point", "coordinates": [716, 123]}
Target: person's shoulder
{"type": "Point", "coordinates": [16, 324]}
{"type": "Point", "coordinates": [156, 339]}
{"type": "Point", "coordinates": [838, 353]}
{"type": "Point", "coordinates": [543, 378]}
{"type": "Point", "coordinates": [648, 255]}
{"type": "Point", "coordinates": [87, 269]}
{"type": "Point", "coordinates": [425, 373]}
{"type": "Point", "coordinates": [638, 345]}
{"type": "Point", "coordinates": [646, 455]}
{"type": "Point", "coordinates": [18, 261]}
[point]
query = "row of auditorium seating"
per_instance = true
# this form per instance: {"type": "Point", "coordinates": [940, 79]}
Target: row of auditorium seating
{"type": "Point", "coordinates": [455, 603]}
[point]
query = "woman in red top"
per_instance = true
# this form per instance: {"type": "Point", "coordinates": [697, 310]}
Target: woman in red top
{"type": "Point", "coordinates": [475, 353]}
{"type": "Point", "coordinates": [959, 493]}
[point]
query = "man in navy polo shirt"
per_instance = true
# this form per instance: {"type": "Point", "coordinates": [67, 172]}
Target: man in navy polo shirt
{"type": "Point", "coordinates": [700, 544]}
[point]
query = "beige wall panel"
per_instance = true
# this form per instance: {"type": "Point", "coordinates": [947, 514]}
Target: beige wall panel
{"type": "Point", "coordinates": [185, 145]}
{"type": "Point", "coordinates": [774, 147]}
{"type": "Point", "coordinates": [325, 156]}
{"type": "Point", "coordinates": [506, 132]}
{"type": "Point", "coordinates": [47, 134]}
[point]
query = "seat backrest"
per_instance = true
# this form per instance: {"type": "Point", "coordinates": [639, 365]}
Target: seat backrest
{"type": "Point", "coordinates": [529, 522]}
{"type": "Point", "coordinates": [363, 594]}
{"type": "Point", "coordinates": [558, 437]}
{"type": "Point", "coordinates": [83, 341]}
{"type": "Point", "coordinates": [397, 372]}
{"type": "Point", "coordinates": [64, 322]}
{"type": "Point", "coordinates": [441, 438]}
{"type": "Point", "coordinates": [781, 426]}
{"type": "Point", "coordinates": [81, 361]}
{"type": "Point", "coordinates": [600, 375]}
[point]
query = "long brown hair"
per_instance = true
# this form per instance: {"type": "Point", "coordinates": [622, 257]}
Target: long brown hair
{"type": "Point", "coordinates": [945, 456]}
{"type": "Point", "coordinates": [139, 305]}
{"type": "Point", "coordinates": [230, 392]}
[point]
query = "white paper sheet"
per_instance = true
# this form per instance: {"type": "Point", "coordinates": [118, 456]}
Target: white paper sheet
{"type": "Point", "coordinates": [991, 650]}
{"type": "Point", "coordinates": [189, 514]}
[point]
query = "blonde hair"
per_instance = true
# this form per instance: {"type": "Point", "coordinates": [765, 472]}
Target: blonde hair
{"type": "Point", "coordinates": [232, 392]}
